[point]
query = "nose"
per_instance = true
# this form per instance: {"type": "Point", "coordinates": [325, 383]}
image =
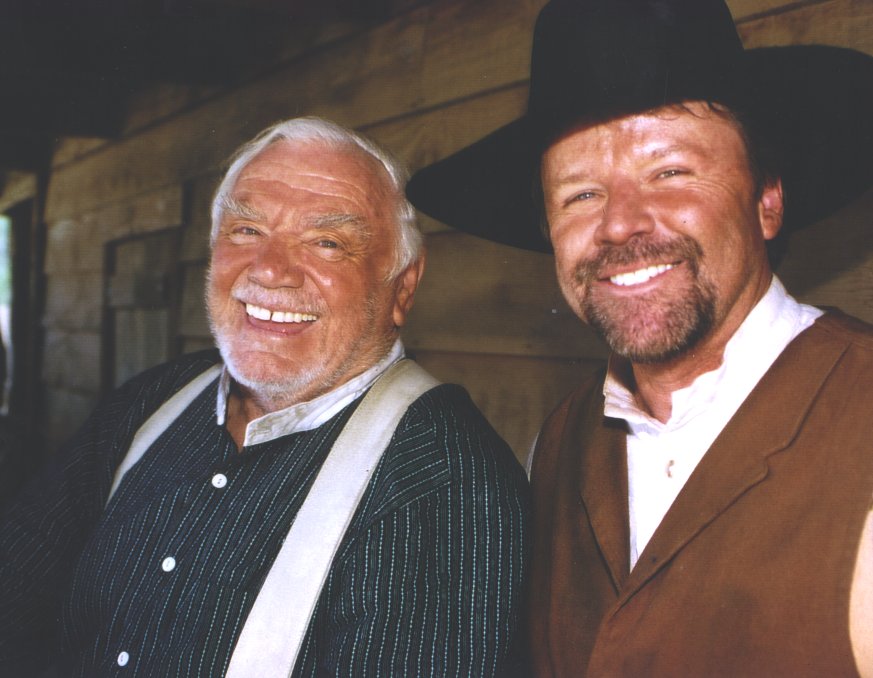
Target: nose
{"type": "Point", "coordinates": [625, 214]}
{"type": "Point", "coordinates": [277, 264]}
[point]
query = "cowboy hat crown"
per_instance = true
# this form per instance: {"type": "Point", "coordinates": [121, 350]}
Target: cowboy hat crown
{"type": "Point", "coordinates": [596, 60]}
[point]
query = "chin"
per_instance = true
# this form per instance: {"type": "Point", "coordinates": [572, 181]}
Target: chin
{"type": "Point", "coordinates": [266, 375]}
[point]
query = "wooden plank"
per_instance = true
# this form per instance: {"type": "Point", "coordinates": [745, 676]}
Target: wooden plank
{"type": "Point", "coordinates": [76, 244]}
{"type": "Point", "coordinates": [65, 410]}
{"type": "Point", "coordinates": [831, 263]}
{"type": "Point", "coordinates": [161, 101]}
{"type": "Point", "coordinates": [195, 242]}
{"type": "Point", "coordinates": [15, 188]}
{"type": "Point", "coordinates": [141, 341]}
{"type": "Point", "coordinates": [470, 47]}
{"type": "Point", "coordinates": [72, 360]}
{"type": "Point", "coordinates": [514, 393]}
{"type": "Point", "coordinates": [193, 344]}
{"type": "Point", "coordinates": [422, 139]}
{"type": "Point", "coordinates": [192, 319]}
{"type": "Point", "coordinates": [371, 77]}
{"type": "Point", "coordinates": [742, 9]}
{"type": "Point", "coordinates": [481, 297]}
{"type": "Point", "coordinates": [73, 301]}
{"type": "Point", "coordinates": [70, 149]}
{"type": "Point", "coordinates": [845, 23]}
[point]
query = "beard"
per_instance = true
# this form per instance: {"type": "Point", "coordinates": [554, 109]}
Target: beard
{"type": "Point", "coordinates": [654, 327]}
{"type": "Point", "coordinates": [305, 382]}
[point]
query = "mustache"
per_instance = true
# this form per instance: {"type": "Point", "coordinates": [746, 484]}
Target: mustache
{"type": "Point", "coordinates": [641, 251]}
{"type": "Point", "coordinates": [299, 301]}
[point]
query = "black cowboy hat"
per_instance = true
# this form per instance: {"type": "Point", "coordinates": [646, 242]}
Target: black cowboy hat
{"type": "Point", "coordinates": [595, 60]}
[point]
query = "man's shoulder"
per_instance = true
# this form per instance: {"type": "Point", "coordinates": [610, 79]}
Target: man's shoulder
{"type": "Point", "coordinates": [444, 441]}
{"type": "Point", "coordinates": [835, 325]}
{"type": "Point", "coordinates": [449, 407]}
{"type": "Point", "coordinates": [149, 389]}
{"type": "Point", "coordinates": [445, 426]}
{"type": "Point", "coordinates": [175, 373]}
{"type": "Point", "coordinates": [588, 390]}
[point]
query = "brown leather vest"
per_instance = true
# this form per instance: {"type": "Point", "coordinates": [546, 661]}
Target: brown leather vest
{"type": "Point", "coordinates": [749, 573]}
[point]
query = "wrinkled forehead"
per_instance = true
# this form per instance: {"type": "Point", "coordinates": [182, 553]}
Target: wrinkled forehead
{"type": "Point", "coordinates": [315, 164]}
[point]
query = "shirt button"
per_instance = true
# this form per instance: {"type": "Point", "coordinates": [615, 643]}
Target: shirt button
{"type": "Point", "coordinates": [123, 658]}
{"type": "Point", "coordinates": [219, 480]}
{"type": "Point", "coordinates": [169, 564]}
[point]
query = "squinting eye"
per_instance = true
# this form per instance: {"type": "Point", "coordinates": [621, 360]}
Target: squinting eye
{"type": "Point", "coordinates": [585, 195]}
{"type": "Point", "coordinates": [329, 244]}
{"type": "Point", "coordinates": [666, 174]}
{"type": "Point", "coordinates": [242, 231]}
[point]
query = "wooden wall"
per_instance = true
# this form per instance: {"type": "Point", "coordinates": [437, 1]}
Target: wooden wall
{"type": "Point", "coordinates": [432, 79]}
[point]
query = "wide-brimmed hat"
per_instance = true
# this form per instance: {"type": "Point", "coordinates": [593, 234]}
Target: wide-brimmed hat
{"type": "Point", "coordinates": [595, 60]}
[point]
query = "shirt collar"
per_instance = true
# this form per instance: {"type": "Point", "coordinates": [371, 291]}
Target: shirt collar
{"type": "Point", "coordinates": [771, 325]}
{"type": "Point", "coordinates": [311, 414]}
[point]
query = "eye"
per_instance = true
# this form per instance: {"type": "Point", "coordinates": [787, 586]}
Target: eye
{"type": "Point", "coordinates": [242, 233]}
{"type": "Point", "coordinates": [327, 248]}
{"type": "Point", "coordinates": [670, 173]}
{"type": "Point", "coordinates": [583, 196]}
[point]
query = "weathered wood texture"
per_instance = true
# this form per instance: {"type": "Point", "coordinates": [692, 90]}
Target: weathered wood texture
{"type": "Point", "coordinates": [425, 84]}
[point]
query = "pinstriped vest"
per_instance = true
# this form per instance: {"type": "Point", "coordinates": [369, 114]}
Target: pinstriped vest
{"type": "Point", "coordinates": [749, 573]}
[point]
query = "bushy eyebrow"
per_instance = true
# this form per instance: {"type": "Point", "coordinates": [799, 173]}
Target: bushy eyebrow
{"type": "Point", "coordinates": [239, 209]}
{"type": "Point", "coordinates": [351, 222]}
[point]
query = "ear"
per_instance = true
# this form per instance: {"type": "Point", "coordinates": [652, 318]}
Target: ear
{"type": "Point", "coordinates": [770, 209]}
{"type": "Point", "coordinates": [404, 290]}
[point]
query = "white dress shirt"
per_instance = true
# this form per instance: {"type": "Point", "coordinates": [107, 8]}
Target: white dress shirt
{"type": "Point", "coordinates": [662, 456]}
{"type": "Point", "coordinates": [311, 414]}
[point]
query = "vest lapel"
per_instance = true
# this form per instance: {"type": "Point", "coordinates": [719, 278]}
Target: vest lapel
{"type": "Point", "coordinates": [603, 484]}
{"type": "Point", "coordinates": [766, 423]}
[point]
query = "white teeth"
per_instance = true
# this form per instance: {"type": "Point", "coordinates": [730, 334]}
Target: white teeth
{"type": "Point", "coordinates": [278, 316]}
{"type": "Point", "coordinates": [640, 276]}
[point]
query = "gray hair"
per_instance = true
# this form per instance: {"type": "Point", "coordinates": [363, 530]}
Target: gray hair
{"type": "Point", "coordinates": [408, 241]}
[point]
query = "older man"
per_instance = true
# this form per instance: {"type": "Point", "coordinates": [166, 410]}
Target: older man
{"type": "Point", "coordinates": [335, 513]}
{"type": "Point", "coordinates": [702, 506]}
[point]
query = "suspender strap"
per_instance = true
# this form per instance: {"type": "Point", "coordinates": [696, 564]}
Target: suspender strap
{"type": "Point", "coordinates": [155, 425]}
{"type": "Point", "coordinates": [274, 630]}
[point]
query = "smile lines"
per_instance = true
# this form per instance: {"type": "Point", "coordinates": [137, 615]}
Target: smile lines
{"type": "Point", "coordinates": [278, 316]}
{"type": "Point", "coordinates": [639, 276]}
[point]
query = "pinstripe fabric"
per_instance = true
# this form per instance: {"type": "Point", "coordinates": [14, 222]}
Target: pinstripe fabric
{"type": "Point", "coordinates": [425, 582]}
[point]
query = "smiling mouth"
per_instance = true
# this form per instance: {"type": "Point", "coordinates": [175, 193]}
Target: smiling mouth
{"type": "Point", "coordinates": [640, 275]}
{"type": "Point", "coordinates": [260, 313]}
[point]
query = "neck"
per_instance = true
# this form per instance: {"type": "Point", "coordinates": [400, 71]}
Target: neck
{"type": "Point", "coordinates": [242, 408]}
{"type": "Point", "coordinates": [656, 383]}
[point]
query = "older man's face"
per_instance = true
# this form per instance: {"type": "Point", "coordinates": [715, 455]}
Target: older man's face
{"type": "Point", "coordinates": [297, 294]}
{"type": "Point", "coordinates": [657, 229]}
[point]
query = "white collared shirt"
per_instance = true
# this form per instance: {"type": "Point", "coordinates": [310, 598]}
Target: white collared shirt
{"type": "Point", "coordinates": [311, 414]}
{"type": "Point", "coordinates": [661, 456]}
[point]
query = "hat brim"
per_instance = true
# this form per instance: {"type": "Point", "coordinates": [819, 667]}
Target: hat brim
{"type": "Point", "coordinates": [813, 103]}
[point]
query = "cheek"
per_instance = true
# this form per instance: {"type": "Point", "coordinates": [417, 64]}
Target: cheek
{"type": "Point", "coordinates": [572, 244]}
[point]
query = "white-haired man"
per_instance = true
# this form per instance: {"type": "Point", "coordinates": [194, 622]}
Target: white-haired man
{"type": "Point", "coordinates": [277, 529]}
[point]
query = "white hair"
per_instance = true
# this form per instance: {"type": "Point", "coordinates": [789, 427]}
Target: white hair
{"type": "Point", "coordinates": [408, 241]}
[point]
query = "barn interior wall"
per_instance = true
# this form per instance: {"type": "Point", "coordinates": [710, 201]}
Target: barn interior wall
{"type": "Point", "coordinates": [425, 83]}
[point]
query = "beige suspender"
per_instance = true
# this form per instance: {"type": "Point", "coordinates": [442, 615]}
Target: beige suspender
{"type": "Point", "coordinates": [156, 424]}
{"type": "Point", "coordinates": [276, 625]}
